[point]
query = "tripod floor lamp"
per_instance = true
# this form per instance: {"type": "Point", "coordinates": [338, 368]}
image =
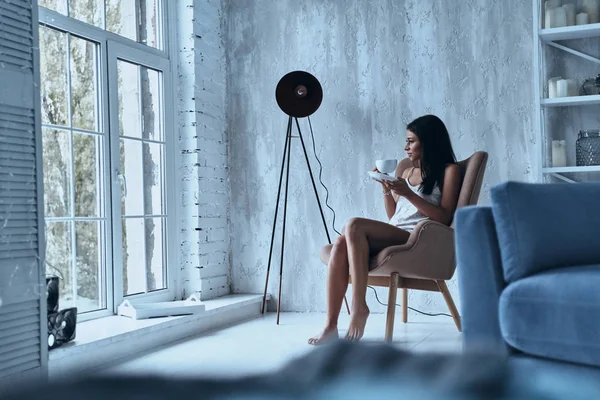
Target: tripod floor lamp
{"type": "Point", "coordinates": [299, 95]}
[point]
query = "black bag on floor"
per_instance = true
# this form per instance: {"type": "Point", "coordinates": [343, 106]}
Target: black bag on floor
{"type": "Point", "coordinates": [52, 291]}
{"type": "Point", "coordinates": [61, 327]}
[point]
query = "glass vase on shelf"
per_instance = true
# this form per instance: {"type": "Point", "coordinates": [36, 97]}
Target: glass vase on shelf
{"type": "Point", "coordinates": [587, 148]}
{"type": "Point", "coordinates": [591, 86]}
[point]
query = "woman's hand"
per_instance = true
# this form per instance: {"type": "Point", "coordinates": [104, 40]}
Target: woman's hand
{"type": "Point", "coordinates": [383, 186]}
{"type": "Point", "coordinates": [399, 187]}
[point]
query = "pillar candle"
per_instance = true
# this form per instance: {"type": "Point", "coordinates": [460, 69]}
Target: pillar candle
{"type": "Point", "coordinates": [560, 17]}
{"type": "Point", "coordinates": [549, 13]}
{"type": "Point", "coordinates": [592, 8]}
{"type": "Point", "coordinates": [552, 89]}
{"type": "Point", "coordinates": [550, 18]}
{"type": "Point", "coordinates": [559, 153]}
{"type": "Point", "coordinates": [571, 10]}
{"type": "Point", "coordinates": [550, 4]}
{"type": "Point", "coordinates": [562, 88]}
{"type": "Point", "coordinates": [582, 19]}
{"type": "Point", "coordinates": [572, 87]}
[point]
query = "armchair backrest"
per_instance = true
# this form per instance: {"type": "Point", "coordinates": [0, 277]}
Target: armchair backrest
{"type": "Point", "coordinates": [472, 169]}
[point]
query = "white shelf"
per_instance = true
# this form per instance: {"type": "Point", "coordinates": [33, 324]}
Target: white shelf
{"type": "Point", "coordinates": [570, 32]}
{"type": "Point", "coordinates": [571, 101]}
{"type": "Point", "coordinates": [563, 170]}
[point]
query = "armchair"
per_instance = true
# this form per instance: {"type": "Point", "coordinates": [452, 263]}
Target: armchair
{"type": "Point", "coordinates": [427, 259]}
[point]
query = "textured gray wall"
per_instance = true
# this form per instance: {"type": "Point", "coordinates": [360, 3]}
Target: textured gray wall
{"type": "Point", "coordinates": [381, 63]}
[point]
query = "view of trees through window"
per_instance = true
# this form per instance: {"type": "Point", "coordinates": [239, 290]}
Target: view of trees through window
{"type": "Point", "coordinates": [75, 159]}
{"type": "Point", "coordinates": [117, 16]}
{"type": "Point", "coordinates": [142, 169]}
{"type": "Point", "coordinates": [72, 159]}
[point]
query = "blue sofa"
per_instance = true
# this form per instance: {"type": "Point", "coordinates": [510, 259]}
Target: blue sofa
{"type": "Point", "coordinates": [529, 275]}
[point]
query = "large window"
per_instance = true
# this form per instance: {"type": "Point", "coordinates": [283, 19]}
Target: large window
{"type": "Point", "coordinates": [107, 124]}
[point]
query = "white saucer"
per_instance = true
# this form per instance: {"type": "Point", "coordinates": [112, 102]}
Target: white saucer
{"type": "Point", "coordinates": [381, 177]}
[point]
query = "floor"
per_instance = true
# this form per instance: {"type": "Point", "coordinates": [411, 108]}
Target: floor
{"type": "Point", "coordinates": [259, 345]}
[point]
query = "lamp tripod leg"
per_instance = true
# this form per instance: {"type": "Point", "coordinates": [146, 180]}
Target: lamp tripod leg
{"type": "Point", "coordinates": [317, 195]}
{"type": "Point", "coordinates": [285, 152]}
{"type": "Point", "coordinates": [287, 183]}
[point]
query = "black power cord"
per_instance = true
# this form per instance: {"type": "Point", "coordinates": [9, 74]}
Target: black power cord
{"type": "Point", "coordinates": [410, 308]}
{"type": "Point", "coordinates": [312, 136]}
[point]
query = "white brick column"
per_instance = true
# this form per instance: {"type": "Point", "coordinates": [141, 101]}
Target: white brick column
{"type": "Point", "coordinates": [203, 170]}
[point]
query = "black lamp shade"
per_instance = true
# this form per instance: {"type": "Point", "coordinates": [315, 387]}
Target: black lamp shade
{"type": "Point", "coordinates": [299, 94]}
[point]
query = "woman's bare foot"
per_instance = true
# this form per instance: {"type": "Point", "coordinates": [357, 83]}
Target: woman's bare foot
{"type": "Point", "coordinates": [329, 333]}
{"type": "Point", "coordinates": [358, 320]}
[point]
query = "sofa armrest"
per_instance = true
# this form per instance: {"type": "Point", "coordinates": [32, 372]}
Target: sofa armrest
{"type": "Point", "coordinates": [480, 278]}
{"type": "Point", "coordinates": [428, 254]}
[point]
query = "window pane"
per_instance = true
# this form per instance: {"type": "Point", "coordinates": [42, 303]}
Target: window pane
{"type": "Point", "coordinates": [83, 84]}
{"type": "Point", "coordinates": [121, 18]}
{"type": "Point", "coordinates": [137, 20]}
{"type": "Point", "coordinates": [56, 5]}
{"type": "Point", "coordinates": [89, 11]}
{"type": "Point", "coordinates": [89, 276]}
{"type": "Point", "coordinates": [132, 187]}
{"type": "Point", "coordinates": [54, 82]}
{"type": "Point", "coordinates": [87, 174]}
{"type": "Point", "coordinates": [129, 100]}
{"type": "Point", "coordinates": [149, 23]}
{"type": "Point", "coordinates": [153, 179]}
{"type": "Point", "coordinates": [59, 258]}
{"type": "Point", "coordinates": [155, 262]}
{"type": "Point", "coordinates": [134, 269]}
{"type": "Point", "coordinates": [56, 157]}
{"type": "Point", "coordinates": [151, 104]}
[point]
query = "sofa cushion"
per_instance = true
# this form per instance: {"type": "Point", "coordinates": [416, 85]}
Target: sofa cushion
{"type": "Point", "coordinates": [555, 314]}
{"type": "Point", "coordinates": [545, 226]}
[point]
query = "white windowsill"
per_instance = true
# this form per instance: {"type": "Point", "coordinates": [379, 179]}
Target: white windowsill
{"type": "Point", "coordinates": [117, 337]}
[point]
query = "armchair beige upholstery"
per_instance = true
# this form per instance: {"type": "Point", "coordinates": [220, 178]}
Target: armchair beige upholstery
{"type": "Point", "coordinates": [427, 260]}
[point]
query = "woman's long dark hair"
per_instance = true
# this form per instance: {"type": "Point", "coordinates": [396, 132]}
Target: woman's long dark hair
{"type": "Point", "coordinates": [436, 150]}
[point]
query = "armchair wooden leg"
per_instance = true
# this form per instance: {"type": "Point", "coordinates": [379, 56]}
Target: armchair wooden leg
{"type": "Point", "coordinates": [391, 309]}
{"type": "Point", "coordinates": [450, 303]}
{"type": "Point", "coordinates": [404, 305]}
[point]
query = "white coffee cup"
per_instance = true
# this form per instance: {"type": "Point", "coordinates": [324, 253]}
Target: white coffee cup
{"type": "Point", "coordinates": [386, 166]}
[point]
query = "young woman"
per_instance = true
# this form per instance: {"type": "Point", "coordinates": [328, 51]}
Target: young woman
{"type": "Point", "coordinates": [428, 190]}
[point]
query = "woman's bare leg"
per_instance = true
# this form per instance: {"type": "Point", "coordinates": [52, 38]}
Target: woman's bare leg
{"type": "Point", "coordinates": [364, 237]}
{"type": "Point", "coordinates": [337, 284]}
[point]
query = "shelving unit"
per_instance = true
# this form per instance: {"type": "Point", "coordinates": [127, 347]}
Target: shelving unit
{"type": "Point", "coordinates": [544, 38]}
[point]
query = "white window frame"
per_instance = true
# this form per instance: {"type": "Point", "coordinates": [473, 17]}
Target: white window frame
{"type": "Point", "coordinates": [111, 48]}
{"type": "Point", "coordinates": [117, 52]}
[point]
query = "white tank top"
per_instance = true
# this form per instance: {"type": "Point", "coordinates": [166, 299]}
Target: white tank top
{"type": "Point", "coordinates": [407, 216]}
